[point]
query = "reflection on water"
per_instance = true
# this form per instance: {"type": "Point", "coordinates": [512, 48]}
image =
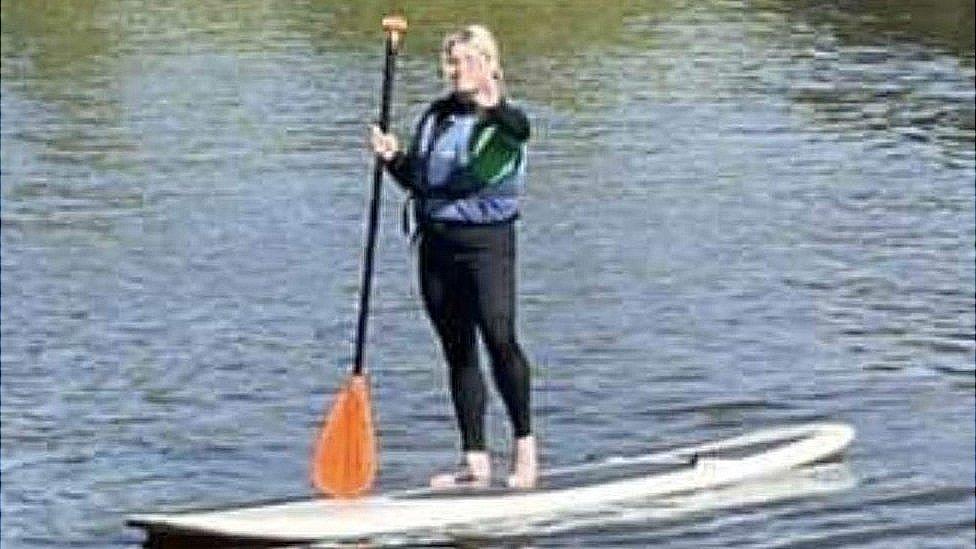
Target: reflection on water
{"type": "Point", "coordinates": [738, 215]}
{"type": "Point", "coordinates": [72, 56]}
{"type": "Point", "coordinates": [947, 26]}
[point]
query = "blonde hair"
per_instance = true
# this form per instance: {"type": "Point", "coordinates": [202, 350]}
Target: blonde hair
{"type": "Point", "coordinates": [479, 38]}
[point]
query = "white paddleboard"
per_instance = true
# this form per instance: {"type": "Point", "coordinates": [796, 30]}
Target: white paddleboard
{"type": "Point", "coordinates": [715, 464]}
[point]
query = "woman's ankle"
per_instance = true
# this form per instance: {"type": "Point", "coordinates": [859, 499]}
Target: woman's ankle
{"type": "Point", "coordinates": [526, 448]}
{"type": "Point", "coordinates": [478, 462]}
{"type": "Point", "coordinates": [475, 473]}
{"type": "Point", "coordinates": [525, 463]}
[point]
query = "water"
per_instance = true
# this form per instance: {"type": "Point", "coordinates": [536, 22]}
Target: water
{"type": "Point", "coordinates": [739, 215]}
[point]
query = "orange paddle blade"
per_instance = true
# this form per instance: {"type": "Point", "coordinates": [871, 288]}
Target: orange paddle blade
{"type": "Point", "coordinates": [344, 462]}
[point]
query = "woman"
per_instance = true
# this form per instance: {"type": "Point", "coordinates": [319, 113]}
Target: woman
{"type": "Point", "coordinates": [464, 170]}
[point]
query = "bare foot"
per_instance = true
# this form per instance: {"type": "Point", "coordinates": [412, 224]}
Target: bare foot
{"type": "Point", "coordinates": [525, 469]}
{"type": "Point", "coordinates": [477, 473]}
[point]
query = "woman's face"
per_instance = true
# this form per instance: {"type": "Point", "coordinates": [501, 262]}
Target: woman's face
{"type": "Point", "coordinates": [465, 68]}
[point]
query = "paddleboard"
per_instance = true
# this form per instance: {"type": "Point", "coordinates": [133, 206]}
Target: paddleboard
{"type": "Point", "coordinates": [686, 469]}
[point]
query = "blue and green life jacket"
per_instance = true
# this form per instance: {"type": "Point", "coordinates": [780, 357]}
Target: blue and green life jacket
{"type": "Point", "coordinates": [465, 165]}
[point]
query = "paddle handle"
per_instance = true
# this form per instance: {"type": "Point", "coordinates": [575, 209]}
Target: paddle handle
{"type": "Point", "coordinates": [394, 27]}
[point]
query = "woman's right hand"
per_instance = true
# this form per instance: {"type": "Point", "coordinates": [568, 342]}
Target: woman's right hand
{"type": "Point", "coordinates": [384, 144]}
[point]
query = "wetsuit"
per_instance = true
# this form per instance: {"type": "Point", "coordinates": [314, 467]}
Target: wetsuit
{"type": "Point", "coordinates": [464, 170]}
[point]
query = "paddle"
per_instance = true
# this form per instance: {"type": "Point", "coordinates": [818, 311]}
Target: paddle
{"type": "Point", "coordinates": [344, 459]}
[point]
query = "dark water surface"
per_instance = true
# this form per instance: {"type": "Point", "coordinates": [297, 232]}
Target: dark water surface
{"type": "Point", "coordinates": [739, 215]}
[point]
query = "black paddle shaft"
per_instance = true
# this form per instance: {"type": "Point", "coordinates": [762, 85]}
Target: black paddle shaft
{"type": "Point", "coordinates": [374, 207]}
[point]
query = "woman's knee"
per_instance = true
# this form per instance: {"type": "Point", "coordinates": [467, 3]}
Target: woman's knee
{"type": "Point", "coordinates": [504, 349]}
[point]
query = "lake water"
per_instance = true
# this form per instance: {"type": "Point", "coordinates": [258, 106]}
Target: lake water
{"type": "Point", "coordinates": [738, 215]}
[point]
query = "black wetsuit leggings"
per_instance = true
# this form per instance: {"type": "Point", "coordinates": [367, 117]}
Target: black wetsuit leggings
{"type": "Point", "coordinates": [467, 277]}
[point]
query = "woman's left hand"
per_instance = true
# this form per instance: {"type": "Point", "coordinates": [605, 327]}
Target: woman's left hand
{"type": "Point", "coordinates": [488, 95]}
{"type": "Point", "coordinates": [489, 92]}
